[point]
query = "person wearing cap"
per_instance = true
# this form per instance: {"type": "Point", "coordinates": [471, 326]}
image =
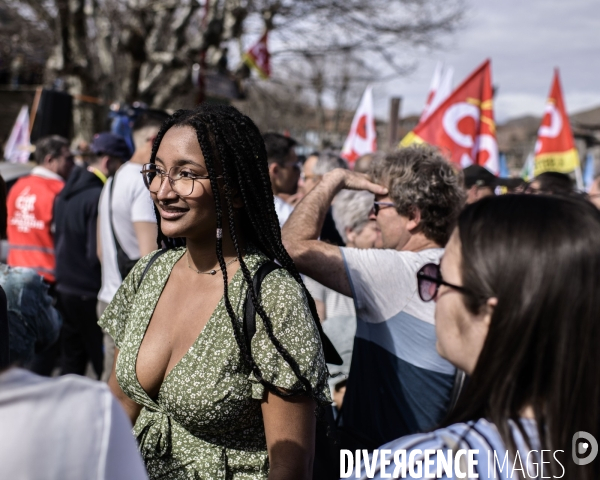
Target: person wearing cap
{"type": "Point", "coordinates": [126, 219]}
{"type": "Point", "coordinates": [479, 183]}
{"type": "Point", "coordinates": [78, 274]}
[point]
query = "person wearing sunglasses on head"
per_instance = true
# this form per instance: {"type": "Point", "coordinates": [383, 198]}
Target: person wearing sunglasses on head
{"type": "Point", "coordinates": [398, 384]}
{"type": "Point", "coordinates": [517, 308]}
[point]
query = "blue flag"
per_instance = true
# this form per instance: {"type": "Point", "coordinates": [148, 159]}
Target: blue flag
{"type": "Point", "coordinates": [589, 172]}
{"type": "Point", "coordinates": [504, 172]}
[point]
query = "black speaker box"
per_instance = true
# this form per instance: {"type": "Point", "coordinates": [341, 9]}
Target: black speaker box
{"type": "Point", "coordinates": [54, 115]}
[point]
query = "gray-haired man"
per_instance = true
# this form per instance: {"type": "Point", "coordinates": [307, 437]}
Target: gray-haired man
{"type": "Point", "coordinates": [398, 383]}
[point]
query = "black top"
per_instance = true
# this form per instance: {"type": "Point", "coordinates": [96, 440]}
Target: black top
{"type": "Point", "coordinates": [75, 215]}
{"type": "Point", "coordinates": [329, 232]}
{"type": "Point", "coordinates": [4, 345]}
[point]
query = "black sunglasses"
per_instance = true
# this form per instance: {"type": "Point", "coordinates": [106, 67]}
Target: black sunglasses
{"type": "Point", "coordinates": [429, 279]}
{"type": "Point", "coordinates": [379, 205]}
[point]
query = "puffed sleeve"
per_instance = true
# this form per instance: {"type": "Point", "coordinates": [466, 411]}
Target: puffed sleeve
{"type": "Point", "coordinates": [287, 308]}
{"type": "Point", "coordinates": [116, 316]}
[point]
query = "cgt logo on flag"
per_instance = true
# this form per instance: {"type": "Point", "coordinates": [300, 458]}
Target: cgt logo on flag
{"type": "Point", "coordinates": [555, 147]}
{"type": "Point", "coordinates": [463, 125]}
{"type": "Point", "coordinates": [585, 448]}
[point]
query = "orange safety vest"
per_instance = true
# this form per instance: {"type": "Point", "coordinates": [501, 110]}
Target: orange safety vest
{"type": "Point", "coordinates": [30, 204]}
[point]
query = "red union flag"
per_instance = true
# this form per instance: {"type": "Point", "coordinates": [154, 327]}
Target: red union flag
{"type": "Point", "coordinates": [362, 138]}
{"type": "Point", "coordinates": [258, 57]}
{"type": "Point", "coordinates": [555, 149]}
{"type": "Point", "coordinates": [463, 125]}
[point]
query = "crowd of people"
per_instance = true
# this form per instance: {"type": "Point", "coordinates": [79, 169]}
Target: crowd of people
{"type": "Point", "coordinates": [246, 312]}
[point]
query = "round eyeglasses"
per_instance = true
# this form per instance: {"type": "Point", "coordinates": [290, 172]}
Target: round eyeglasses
{"type": "Point", "coordinates": [180, 178]}
{"type": "Point", "coordinates": [429, 279]}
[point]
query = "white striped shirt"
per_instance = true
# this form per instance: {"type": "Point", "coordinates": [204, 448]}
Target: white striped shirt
{"type": "Point", "coordinates": [493, 460]}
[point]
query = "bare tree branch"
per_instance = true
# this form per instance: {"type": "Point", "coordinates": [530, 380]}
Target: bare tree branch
{"type": "Point", "coordinates": [323, 51]}
{"type": "Point", "coordinates": [42, 12]}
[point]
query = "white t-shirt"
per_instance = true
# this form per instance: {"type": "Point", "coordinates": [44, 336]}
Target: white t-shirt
{"type": "Point", "coordinates": [283, 210]}
{"type": "Point", "coordinates": [398, 382]}
{"type": "Point", "coordinates": [131, 203]}
{"type": "Point", "coordinates": [339, 325]}
{"type": "Point", "coordinates": [336, 304]}
{"type": "Point", "coordinates": [70, 428]}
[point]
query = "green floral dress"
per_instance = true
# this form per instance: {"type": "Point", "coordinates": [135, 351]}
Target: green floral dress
{"type": "Point", "coordinates": [206, 422]}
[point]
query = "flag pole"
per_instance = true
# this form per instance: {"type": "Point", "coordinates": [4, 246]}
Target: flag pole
{"type": "Point", "coordinates": [579, 178]}
{"type": "Point", "coordinates": [34, 107]}
{"type": "Point", "coordinates": [395, 103]}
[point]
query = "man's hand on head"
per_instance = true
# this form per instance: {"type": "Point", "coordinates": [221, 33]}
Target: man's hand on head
{"type": "Point", "coordinates": [341, 179]}
{"type": "Point", "coordinates": [306, 221]}
{"type": "Point", "coordinates": [319, 260]}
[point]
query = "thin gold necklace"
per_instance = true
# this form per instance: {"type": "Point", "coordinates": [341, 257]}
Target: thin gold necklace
{"type": "Point", "coordinates": [208, 272]}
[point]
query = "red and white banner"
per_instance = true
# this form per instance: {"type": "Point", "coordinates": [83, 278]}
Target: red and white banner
{"type": "Point", "coordinates": [259, 57]}
{"type": "Point", "coordinates": [555, 148]}
{"type": "Point", "coordinates": [18, 145]}
{"type": "Point", "coordinates": [463, 125]}
{"type": "Point", "coordinates": [439, 90]}
{"type": "Point", "coordinates": [362, 138]}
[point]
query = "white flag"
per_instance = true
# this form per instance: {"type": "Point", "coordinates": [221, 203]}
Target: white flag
{"type": "Point", "coordinates": [362, 138]}
{"type": "Point", "coordinates": [439, 90]}
{"type": "Point", "coordinates": [433, 88]}
{"type": "Point", "coordinates": [18, 146]}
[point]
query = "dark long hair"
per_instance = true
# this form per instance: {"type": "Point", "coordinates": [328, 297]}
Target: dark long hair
{"type": "Point", "coordinates": [554, 183]}
{"type": "Point", "coordinates": [540, 257]}
{"type": "Point", "coordinates": [232, 146]}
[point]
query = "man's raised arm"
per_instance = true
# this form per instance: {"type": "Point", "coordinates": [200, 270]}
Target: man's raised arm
{"type": "Point", "coordinates": [319, 260]}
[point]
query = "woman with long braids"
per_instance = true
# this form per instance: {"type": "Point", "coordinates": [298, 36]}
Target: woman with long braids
{"type": "Point", "coordinates": [204, 406]}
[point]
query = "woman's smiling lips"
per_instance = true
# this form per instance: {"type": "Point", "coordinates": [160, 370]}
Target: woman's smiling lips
{"type": "Point", "coordinates": [171, 213]}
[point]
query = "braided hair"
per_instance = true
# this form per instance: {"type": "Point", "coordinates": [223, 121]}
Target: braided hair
{"type": "Point", "coordinates": [232, 147]}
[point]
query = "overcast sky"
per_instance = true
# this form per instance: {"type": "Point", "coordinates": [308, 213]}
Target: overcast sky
{"type": "Point", "coordinates": [525, 40]}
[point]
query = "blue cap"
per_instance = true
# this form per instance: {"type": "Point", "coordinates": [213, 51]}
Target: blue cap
{"type": "Point", "coordinates": [107, 143]}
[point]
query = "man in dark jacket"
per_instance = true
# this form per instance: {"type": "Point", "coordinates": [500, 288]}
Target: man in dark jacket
{"type": "Point", "coordinates": [78, 275]}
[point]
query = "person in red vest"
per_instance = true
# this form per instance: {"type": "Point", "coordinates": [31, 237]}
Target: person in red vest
{"type": "Point", "coordinates": [30, 204]}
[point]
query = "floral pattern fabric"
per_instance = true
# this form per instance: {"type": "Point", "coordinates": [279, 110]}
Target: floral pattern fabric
{"type": "Point", "coordinates": [206, 422]}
